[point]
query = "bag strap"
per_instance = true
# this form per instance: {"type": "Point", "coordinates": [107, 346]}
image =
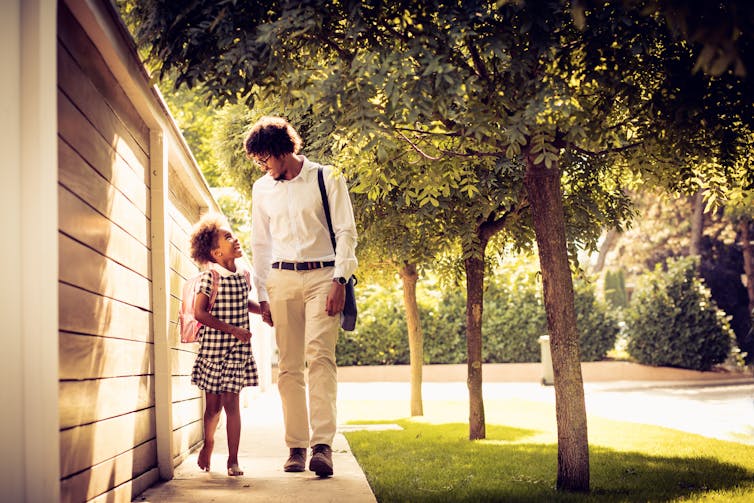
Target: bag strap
{"type": "Point", "coordinates": [326, 204]}
{"type": "Point", "coordinates": [215, 287]}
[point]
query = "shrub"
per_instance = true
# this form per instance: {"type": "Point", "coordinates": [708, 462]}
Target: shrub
{"type": "Point", "coordinates": [444, 324]}
{"type": "Point", "coordinates": [597, 323]}
{"type": "Point", "coordinates": [615, 289]}
{"type": "Point", "coordinates": [514, 319]}
{"type": "Point", "coordinates": [673, 321]}
{"type": "Point", "coordinates": [381, 337]}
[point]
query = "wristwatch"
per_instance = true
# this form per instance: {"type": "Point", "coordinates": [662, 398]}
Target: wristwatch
{"type": "Point", "coordinates": [341, 280]}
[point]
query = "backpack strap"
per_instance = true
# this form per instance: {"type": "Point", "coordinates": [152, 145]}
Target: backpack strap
{"type": "Point", "coordinates": [215, 287]}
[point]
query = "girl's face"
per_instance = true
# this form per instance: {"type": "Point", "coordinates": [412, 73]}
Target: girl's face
{"type": "Point", "coordinates": [227, 246]}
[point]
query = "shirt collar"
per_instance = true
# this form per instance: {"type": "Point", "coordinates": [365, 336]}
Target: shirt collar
{"type": "Point", "coordinates": [308, 171]}
{"type": "Point", "coordinates": [224, 273]}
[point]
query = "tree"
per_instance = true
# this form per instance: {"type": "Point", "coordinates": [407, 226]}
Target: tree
{"type": "Point", "coordinates": [723, 30]}
{"type": "Point", "coordinates": [609, 104]}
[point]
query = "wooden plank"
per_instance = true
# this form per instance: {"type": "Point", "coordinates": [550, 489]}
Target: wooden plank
{"type": "Point", "coordinates": [125, 493]}
{"type": "Point", "coordinates": [88, 313]}
{"type": "Point", "coordinates": [182, 361]}
{"type": "Point", "coordinates": [80, 159]}
{"type": "Point", "coordinates": [88, 445]}
{"type": "Point", "coordinates": [89, 154]}
{"type": "Point", "coordinates": [180, 223]}
{"type": "Point", "coordinates": [89, 59]}
{"type": "Point", "coordinates": [83, 402]}
{"type": "Point", "coordinates": [187, 412]}
{"type": "Point", "coordinates": [183, 389]}
{"type": "Point", "coordinates": [101, 478]}
{"type": "Point", "coordinates": [186, 438]}
{"type": "Point", "coordinates": [176, 285]}
{"type": "Point", "coordinates": [90, 357]}
{"type": "Point", "coordinates": [81, 134]}
{"type": "Point", "coordinates": [80, 221]}
{"type": "Point", "coordinates": [141, 483]}
{"type": "Point", "coordinates": [181, 244]}
{"type": "Point", "coordinates": [181, 264]}
{"type": "Point", "coordinates": [182, 199]}
{"type": "Point", "coordinates": [174, 309]}
{"type": "Point", "coordinates": [87, 269]}
{"type": "Point", "coordinates": [75, 84]}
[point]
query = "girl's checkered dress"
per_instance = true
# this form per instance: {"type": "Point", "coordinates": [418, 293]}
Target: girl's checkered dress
{"type": "Point", "coordinates": [225, 364]}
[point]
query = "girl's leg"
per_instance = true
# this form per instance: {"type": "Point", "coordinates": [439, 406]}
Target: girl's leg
{"type": "Point", "coordinates": [233, 417]}
{"type": "Point", "coordinates": [211, 417]}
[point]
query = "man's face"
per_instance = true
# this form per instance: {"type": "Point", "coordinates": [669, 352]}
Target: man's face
{"type": "Point", "coordinates": [270, 164]}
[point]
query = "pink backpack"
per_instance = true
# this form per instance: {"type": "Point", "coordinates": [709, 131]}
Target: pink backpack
{"type": "Point", "coordinates": [187, 324]}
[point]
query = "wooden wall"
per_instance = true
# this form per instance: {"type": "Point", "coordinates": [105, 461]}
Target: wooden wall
{"type": "Point", "coordinates": [106, 389]}
{"type": "Point", "coordinates": [108, 445]}
{"type": "Point", "coordinates": [115, 440]}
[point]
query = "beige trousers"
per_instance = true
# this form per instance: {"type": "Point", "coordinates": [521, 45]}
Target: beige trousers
{"type": "Point", "coordinates": [306, 336]}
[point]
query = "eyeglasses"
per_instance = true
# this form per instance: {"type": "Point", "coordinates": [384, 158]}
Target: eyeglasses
{"type": "Point", "coordinates": [262, 162]}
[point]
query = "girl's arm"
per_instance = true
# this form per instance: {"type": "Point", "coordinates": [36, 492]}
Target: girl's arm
{"type": "Point", "coordinates": [254, 307]}
{"type": "Point", "coordinates": [203, 316]}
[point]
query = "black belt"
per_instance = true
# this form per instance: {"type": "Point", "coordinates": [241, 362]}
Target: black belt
{"type": "Point", "coordinates": [302, 266]}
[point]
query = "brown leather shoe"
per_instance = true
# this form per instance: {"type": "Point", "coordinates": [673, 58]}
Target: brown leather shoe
{"type": "Point", "coordinates": [296, 461]}
{"type": "Point", "coordinates": [321, 462]}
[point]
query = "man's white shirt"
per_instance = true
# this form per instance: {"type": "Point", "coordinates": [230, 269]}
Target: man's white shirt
{"type": "Point", "coordinates": [288, 223]}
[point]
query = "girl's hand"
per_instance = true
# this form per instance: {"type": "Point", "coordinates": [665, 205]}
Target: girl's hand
{"type": "Point", "coordinates": [241, 334]}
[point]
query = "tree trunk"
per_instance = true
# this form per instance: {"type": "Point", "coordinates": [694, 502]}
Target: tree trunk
{"type": "Point", "coordinates": [415, 336]}
{"type": "Point", "coordinates": [474, 298]}
{"type": "Point", "coordinates": [748, 253]}
{"type": "Point", "coordinates": [697, 224]}
{"type": "Point", "coordinates": [610, 239]}
{"type": "Point", "coordinates": [546, 199]}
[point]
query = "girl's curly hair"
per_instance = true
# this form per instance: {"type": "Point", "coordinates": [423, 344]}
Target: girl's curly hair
{"type": "Point", "coordinates": [204, 237]}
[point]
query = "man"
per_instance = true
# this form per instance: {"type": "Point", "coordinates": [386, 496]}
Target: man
{"type": "Point", "coordinates": [300, 281]}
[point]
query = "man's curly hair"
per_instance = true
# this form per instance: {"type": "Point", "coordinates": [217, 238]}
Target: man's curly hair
{"type": "Point", "coordinates": [204, 237]}
{"type": "Point", "coordinates": [272, 136]}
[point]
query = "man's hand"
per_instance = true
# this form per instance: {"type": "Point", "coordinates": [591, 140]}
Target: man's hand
{"type": "Point", "coordinates": [264, 307]}
{"type": "Point", "coordinates": [336, 299]}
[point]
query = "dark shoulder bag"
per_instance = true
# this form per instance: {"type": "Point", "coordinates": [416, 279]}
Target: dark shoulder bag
{"type": "Point", "coordinates": [348, 317]}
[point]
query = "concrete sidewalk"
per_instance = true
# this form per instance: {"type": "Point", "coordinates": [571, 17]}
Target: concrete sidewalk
{"type": "Point", "coordinates": [261, 455]}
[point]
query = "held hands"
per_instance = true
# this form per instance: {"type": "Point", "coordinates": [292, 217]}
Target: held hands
{"type": "Point", "coordinates": [264, 308]}
{"type": "Point", "coordinates": [336, 299]}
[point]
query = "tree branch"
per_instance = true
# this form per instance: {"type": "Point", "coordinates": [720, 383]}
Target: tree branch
{"type": "Point", "coordinates": [479, 67]}
{"type": "Point", "coordinates": [615, 150]}
{"type": "Point", "coordinates": [419, 150]}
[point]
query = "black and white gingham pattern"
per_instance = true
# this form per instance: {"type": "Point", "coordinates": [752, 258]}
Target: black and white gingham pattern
{"type": "Point", "coordinates": [225, 364]}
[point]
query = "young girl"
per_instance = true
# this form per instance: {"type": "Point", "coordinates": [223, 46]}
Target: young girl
{"type": "Point", "coordinates": [225, 363]}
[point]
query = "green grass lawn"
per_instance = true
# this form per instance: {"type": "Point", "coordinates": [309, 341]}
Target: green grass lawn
{"type": "Point", "coordinates": [431, 459]}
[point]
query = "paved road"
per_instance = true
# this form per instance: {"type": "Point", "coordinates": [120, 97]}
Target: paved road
{"type": "Point", "coordinates": [723, 410]}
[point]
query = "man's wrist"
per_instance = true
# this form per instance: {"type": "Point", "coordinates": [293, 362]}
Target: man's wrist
{"type": "Point", "coordinates": [340, 280]}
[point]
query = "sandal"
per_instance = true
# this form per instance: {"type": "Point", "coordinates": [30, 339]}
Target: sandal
{"type": "Point", "coordinates": [234, 470]}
